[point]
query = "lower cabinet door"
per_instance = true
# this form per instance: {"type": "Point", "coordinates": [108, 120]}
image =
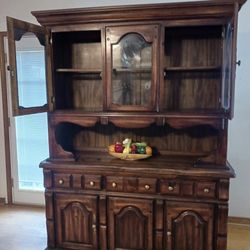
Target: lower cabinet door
{"type": "Point", "coordinates": [76, 221]}
{"type": "Point", "coordinates": [189, 226]}
{"type": "Point", "coordinates": [130, 224]}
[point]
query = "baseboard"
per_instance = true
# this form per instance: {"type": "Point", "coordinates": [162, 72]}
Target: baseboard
{"type": "Point", "coordinates": [239, 220]}
{"type": "Point", "coordinates": [2, 201]}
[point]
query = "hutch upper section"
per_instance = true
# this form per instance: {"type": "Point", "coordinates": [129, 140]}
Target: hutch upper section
{"type": "Point", "coordinates": [176, 58]}
{"type": "Point", "coordinates": [162, 71]}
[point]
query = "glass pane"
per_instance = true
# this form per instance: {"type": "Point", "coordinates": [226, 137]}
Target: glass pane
{"type": "Point", "coordinates": [227, 67]}
{"type": "Point", "coordinates": [131, 78]}
{"type": "Point", "coordinates": [31, 75]}
{"type": "Point", "coordinates": [32, 148]}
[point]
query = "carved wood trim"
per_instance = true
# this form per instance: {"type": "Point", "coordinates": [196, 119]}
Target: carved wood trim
{"type": "Point", "coordinates": [222, 220]}
{"type": "Point", "coordinates": [72, 210]}
{"type": "Point", "coordinates": [159, 224]}
{"type": "Point", "coordinates": [138, 120]}
{"type": "Point", "coordinates": [50, 219]}
{"type": "Point", "coordinates": [223, 189]}
{"type": "Point", "coordinates": [142, 209]}
{"type": "Point", "coordinates": [151, 12]}
{"type": "Point", "coordinates": [81, 121]}
{"type": "Point", "coordinates": [103, 222]}
{"type": "Point", "coordinates": [47, 178]}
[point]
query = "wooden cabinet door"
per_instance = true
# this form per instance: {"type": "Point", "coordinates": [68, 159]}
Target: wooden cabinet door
{"type": "Point", "coordinates": [30, 67]}
{"type": "Point", "coordinates": [130, 224]}
{"type": "Point", "coordinates": [76, 221]}
{"type": "Point", "coordinates": [132, 63]}
{"type": "Point", "coordinates": [189, 226]}
{"type": "Point", "coordinates": [229, 63]}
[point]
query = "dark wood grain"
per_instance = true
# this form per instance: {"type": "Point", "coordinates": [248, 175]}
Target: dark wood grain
{"type": "Point", "coordinates": [176, 199]}
{"type": "Point", "coordinates": [130, 224]}
{"type": "Point", "coordinates": [76, 221]}
{"type": "Point", "coordinates": [79, 57]}
{"type": "Point", "coordinates": [192, 224]}
{"type": "Point", "coordinates": [149, 12]}
{"type": "Point", "coordinates": [114, 35]}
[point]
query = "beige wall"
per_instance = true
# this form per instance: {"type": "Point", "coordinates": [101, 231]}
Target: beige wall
{"type": "Point", "coordinates": [239, 129]}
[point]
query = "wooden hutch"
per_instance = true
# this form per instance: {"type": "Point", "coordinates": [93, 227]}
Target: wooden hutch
{"type": "Point", "coordinates": [161, 73]}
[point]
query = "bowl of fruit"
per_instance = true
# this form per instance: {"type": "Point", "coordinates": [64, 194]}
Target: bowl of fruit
{"type": "Point", "coordinates": [128, 150]}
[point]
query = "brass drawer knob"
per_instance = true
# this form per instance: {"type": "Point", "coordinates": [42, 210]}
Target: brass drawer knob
{"type": "Point", "coordinates": [206, 190]}
{"type": "Point", "coordinates": [92, 183]}
{"type": "Point", "coordinates": [147, 187]}
{"type": "Point", "coordinates": [169, 233]}
{"type": "Point", "coordinates": [114, 184]}
{"type": "Point", "coordinates": [61, 181]}
{"type": "Point", "coordinates": [170, 188]}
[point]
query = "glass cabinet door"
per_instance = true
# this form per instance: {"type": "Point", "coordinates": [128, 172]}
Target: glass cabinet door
{"type": "Point", "coordinates": [30, 70]}
{"type": "Point", "coordinates": [229, 66]}
{"type": "Point", "coordinates": [131, 67]}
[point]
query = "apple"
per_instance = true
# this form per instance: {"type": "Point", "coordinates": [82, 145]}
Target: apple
{"type": "Point", "coordinates": [118, 147]}
{"type": "Point", "coordinates": [133, 149]}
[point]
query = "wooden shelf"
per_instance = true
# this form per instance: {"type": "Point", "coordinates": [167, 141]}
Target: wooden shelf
{"type": "Point", "coordinates": [132, 70]}
{"type": "Point", "coordinates": [79, 70]}
{"type": "Point", "coordinates": [187, 69]}
{"type": "Point", "coordinates": [135, 120]}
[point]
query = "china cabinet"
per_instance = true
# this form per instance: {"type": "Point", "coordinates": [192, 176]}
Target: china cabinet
{"type": "Point", "coordinates": [162, 74]}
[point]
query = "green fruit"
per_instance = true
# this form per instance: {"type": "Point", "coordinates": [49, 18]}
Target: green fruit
{"type": "Point", "coordinates": [141, 149]}
{"type": "Point", "coordinates": [141, 144]}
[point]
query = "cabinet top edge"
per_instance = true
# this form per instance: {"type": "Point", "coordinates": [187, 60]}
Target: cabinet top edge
{"type": "Point", "coordinates": [159, 11]}
{"type": "Point", "coordinates": [137, 168]}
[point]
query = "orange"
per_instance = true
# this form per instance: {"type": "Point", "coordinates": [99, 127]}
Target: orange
{"type": "Point", "coordinates": [112, 148]}
{"type": "Point", "coordinates": [148, 150]}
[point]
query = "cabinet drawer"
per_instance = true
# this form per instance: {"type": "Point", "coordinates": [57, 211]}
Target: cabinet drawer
{"type": "Point", "coordinates": [146, 185]}
{"type": "Point", "coordinates": [114, 183]}
{"type": "Point", "coordinates": [92, 182]}
{"type": "Point", "coordinates": [61, 180]}
{"type": "Point", "coordinates": [206, 189]}
{"type": "Point", "coordinates": [170, 187]}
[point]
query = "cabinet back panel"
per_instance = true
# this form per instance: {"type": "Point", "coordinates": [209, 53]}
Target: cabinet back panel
{"type": "Point", "coordinates": [193, 46]}
{"type": "Point", "coordinates": [78, 65]}
{"type": "Point", "coordinates": [192, 90]}
{"type": "Point", "coordinates": [77, 49]}
{"type": "Point", "coordinates": [79, 91]}
{"type": "Point", "coordinates": [87, 56]}
{"type": "Point", "coordinates": [131, 89]}
{"type": "Point", "coordinates": [87, 94]}
{"type": "Point", "coordinates": [199, 140]}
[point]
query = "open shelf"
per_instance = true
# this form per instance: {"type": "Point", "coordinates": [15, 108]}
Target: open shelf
{"type": "Point", "coordinates": [135, 120]}
{"type": "Point", "coordinates": [132, 70]}
{"type": "Point", "coordinates": [195, 68]}
{"type": "Point", "coordinates": [79, 70]}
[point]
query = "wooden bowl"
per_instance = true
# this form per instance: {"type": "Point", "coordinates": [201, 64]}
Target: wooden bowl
{"type": "Point", "coordinates": [129, 157]}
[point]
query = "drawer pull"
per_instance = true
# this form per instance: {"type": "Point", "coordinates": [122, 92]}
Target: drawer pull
{"type": "Point", "coordinates": [114, 184]}
{"type": "Point", "coordinates": [206, 190]}
{"type": "Point", "coordinates": [92, 183]}
{"type": "Point", "coordinates": [169, 233]}
{"type": "Point", "coordinates": [61, 181]}
{"type": "Point", "coordinates": [170, 188]}
{"type": "Point", "coordinates": [147, 187]}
